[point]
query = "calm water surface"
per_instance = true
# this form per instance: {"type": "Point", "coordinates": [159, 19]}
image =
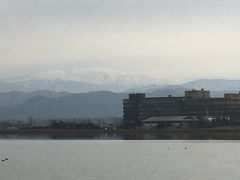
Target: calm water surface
{"type": "Point", "coordinates": [119, 160]}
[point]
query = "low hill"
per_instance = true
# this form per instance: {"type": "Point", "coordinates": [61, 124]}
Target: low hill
{"type": "Point", "coordinates": [100, 104]}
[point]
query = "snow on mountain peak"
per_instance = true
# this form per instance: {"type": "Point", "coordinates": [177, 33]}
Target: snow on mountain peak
{"type": "Point", "coordinates": [80, 80]}
{"type": "Point", "coordinates": [98, 75]}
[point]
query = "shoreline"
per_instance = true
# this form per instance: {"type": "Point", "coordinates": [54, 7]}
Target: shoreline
{"type": "Point", "coordinates": [122, 134]}
{"type": "Point", "coordinates": [111, 131]}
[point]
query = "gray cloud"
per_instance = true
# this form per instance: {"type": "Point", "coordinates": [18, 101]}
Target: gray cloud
{"type": "Point", "coordinates": [170, 39]}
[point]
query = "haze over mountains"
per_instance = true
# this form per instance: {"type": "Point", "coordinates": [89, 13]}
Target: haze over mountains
{"type": "Point", "coordinates": [62, 98]}
{"type": "Point", "coordinates": [77, 81]}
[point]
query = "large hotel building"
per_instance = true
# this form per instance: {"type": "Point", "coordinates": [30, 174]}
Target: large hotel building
{"type": "Point", "coordinates": [139, 109]}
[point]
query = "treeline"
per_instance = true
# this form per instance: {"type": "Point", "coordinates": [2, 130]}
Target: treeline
{"type": "Point", "coordinates": [73, 125]}
{"type": "Point", "coordinates": [218, 122]}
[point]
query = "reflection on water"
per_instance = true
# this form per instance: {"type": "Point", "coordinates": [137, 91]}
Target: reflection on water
{"type": "Point", "coordinates": [125, 136]}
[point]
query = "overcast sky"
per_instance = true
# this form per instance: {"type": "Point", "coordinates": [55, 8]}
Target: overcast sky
{"type": "Point", "coordinates": [175, 40]}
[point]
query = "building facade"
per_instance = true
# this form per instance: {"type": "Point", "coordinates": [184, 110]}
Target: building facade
{"type": "Point", "coordinates": [197, 94]}
{"type": "Point", "coordinates": [138, 108]}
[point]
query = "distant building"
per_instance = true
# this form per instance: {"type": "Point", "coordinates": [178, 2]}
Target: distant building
{"type": "Point", "coordinates": [140, 110]}
{"type": "Point", "coordinates": [169, 121]}
{"type": "Point", "coordinates": [197, 94]}
{"type": "Point", "coordinates": [232, 96]}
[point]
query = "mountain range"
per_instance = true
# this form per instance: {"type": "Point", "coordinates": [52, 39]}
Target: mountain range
{"type": "Point", "coordinates": [47, 104]}
{"type": "Point", "coordinates": [80, 81]}
{"type": "Point", "coordinates": [101, 104]}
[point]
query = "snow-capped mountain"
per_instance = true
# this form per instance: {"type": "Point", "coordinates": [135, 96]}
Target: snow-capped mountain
{"type": "Point", "coordinates": [81, 80]}
{"type": "Point", "coordinates": [98, 75]}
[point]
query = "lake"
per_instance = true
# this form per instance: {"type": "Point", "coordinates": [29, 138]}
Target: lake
{"type": "Point", "coordinates": [119, 160]}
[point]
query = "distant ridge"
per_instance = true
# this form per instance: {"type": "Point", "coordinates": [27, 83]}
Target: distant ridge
{"type": "Point", "coordinates": [25, 84]}
{"type": "Point", "coordinates": [214, 84]}
{"type": "Point", "coordinates": [101, 104]}
{"type": "Point", "coordinates": [81, 81]}
{"type": "Point", "coordinates": [46, 104]}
